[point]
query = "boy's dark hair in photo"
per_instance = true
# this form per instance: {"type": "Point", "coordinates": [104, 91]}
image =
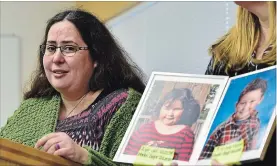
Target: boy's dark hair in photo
{"type": "Point", "coordinates": [254, 85]}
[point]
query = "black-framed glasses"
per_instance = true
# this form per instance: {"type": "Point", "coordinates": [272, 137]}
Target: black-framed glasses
{"type": "Point", "coordinates": [66, 50]}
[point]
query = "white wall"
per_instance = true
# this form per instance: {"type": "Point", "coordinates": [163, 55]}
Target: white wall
{"type": "Point", "coordinates": [27, 20]}
{"type": "Point", "coordinates": [10, 77]}
{"type": "Point", "coordinates": [172, 36]}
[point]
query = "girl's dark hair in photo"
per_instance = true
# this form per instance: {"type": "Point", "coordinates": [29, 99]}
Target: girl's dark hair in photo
{"type": "Point", "coordinates": [191, 107]}
{"type": "Point", "coordinates": [115, 69]}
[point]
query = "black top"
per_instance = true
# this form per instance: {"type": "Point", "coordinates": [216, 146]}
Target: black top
{"type": "Point", "coordinates": [220, 68]}
{"type": "Point", "coordinates": [270, 156]}
{"type": "Point", "coordinates": [88, 127]}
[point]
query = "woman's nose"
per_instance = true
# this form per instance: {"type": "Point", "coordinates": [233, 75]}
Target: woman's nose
{"type": "Point", "coordinates": [58, 57]}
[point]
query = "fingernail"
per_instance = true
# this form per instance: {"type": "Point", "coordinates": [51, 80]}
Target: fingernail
{"type": "Point", "coordinates": [159, 164]}
{"type": "Point", "coordinates": [174, 164]}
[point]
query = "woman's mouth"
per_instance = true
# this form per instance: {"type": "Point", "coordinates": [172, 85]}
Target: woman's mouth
{"type": "Point", "coordinates": [58, 73]}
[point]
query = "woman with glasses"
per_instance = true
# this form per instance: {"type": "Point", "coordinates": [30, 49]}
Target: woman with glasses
{"type": "Point", "coordinates": [83, 95]}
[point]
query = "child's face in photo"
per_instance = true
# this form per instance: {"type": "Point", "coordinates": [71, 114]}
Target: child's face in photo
{"type": "Point", "coordinates": [171, 112]}
{"type": "Point", "coordinates": [248, 103]}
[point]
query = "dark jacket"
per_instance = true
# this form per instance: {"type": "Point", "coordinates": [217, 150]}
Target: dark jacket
{"type": "Point", "coordinates": [270, 156]}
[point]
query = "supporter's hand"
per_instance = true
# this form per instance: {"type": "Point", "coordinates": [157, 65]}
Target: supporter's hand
{"type": "Point", "coordinates": [215, 163]}
{"type": "Point", "coordinates": [172, 164]}
{"type": "Point", "coordinates": [62, 145]}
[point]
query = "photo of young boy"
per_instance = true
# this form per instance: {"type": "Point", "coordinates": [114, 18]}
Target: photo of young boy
{"type": "Point", "coordinates": [243, 123]}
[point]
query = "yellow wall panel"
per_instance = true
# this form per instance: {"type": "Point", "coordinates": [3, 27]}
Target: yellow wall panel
{"type": "Point", "coordinates": [106, 10]}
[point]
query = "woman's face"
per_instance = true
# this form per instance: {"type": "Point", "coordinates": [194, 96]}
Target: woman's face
{"type": "Point", "coordinates": [171, 112]}
{"type": "Point", "coordinates": [251, 6]}
{"type": "Point", "coordinates": [70, 73]}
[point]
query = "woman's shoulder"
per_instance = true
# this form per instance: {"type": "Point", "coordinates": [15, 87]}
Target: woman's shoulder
{"type": "Point", "coordinates": [34, 118]}
{"type": "Point", "coordinates": [40, 100]}
{"type": "Point", "coordinates": [215, 69]}
{"type": "Point", "coordinates": [41, 103]}
{"type": "Point", "coordinates": [123, 96]}
{"type": "Point", "coordinates": [130, 94]}
{"type": "Point", "coordinates": [124, 101]}
{"type": "Point", "coordinates": [37, 106]}
{"type": "Point", "coordinates": [133, 94]}
{"type": "Point", "coordinates": [219, 68]}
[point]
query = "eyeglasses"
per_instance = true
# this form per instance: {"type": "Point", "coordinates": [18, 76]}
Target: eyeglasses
{"type": "Point", "coordinates": [66, 50]}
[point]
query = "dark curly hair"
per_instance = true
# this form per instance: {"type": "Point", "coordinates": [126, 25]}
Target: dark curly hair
{"type": "Point", "coordinates": [115, 69]}
{"type": "Point", "coordinates": [190, 105]}
{"type": "Point", "coordinates": [254, 85]}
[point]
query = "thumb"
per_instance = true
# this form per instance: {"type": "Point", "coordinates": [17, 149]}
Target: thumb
{"type": "Point", "coordinates": [216, 163]}
{"type": "Point", "coordinates": [174, 164]}
{"type": "Point", "coordinates": [159, 164]}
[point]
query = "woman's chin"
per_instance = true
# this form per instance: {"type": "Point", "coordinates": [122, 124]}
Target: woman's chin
{"type": "Point", "coordinates": [59, 86]}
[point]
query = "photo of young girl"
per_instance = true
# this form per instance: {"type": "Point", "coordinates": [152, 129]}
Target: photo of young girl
{"type": "Point", "coordinates": [178, 110]}
{"type": "Point", "coordinates": [174, 114]}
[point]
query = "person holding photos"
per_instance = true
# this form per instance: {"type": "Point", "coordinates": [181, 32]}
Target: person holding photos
{"type": "Point", "coordinates": [178, 111]}
{"type": "Point", "coordinates": [83, 96]}
{"type": "Point", "coordinates": [248, 46]}
{"type": "Point", "coordinates": [243, 124]}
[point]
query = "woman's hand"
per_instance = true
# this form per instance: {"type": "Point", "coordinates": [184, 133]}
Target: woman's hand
{"type": "Point", "coordinates": [62, 145]}
{"type": "Point", "coordinates": [215, 163]}
{"type": "Point", "coordinates": [172, 164]}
